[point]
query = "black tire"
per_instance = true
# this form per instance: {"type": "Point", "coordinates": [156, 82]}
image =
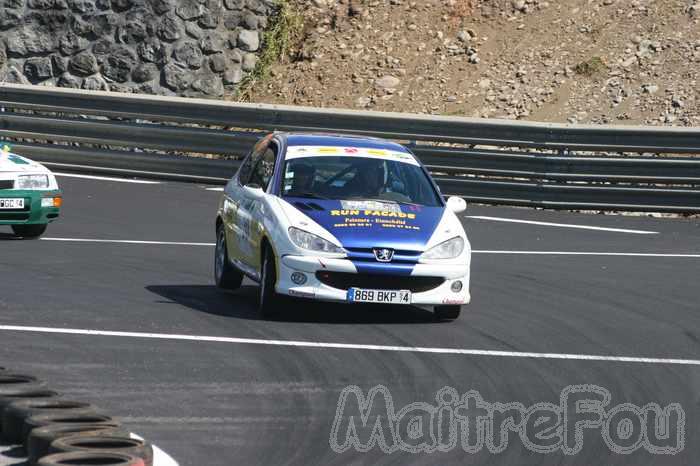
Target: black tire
{"type": "Point", "coordinates": [268, 299]}
{"type": "Point", "coordinates": [447, 312]}
{"type": "Point", "coordinates": [226, 276]}
{"type": "Point", "coordinates": [11, 384]}
{"type": "Point", "coordinates": [66, 419]}
{"type": "Point", "coordinates": [81, 458]}
{"type": "Point", "coordinates": [29, 231]}
{"type": "Point", "coordinates": [106, 444]}
{"type": "Point", "coordinates": [40, 439]}
{"type": "Point", "coordinates": [17, 412]}
{"type": "Point", "coordinates": [40, 394]}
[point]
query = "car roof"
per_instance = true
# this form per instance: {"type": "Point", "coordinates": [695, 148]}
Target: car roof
{"type": "Point", "coordinates": [338, 140]}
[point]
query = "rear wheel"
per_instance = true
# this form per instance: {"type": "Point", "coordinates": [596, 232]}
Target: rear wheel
{"type": "Point", "coordinates": [225, 275]}
{"type": "Point", "coordinates": [29, 231]}
{"type": "Point", "coordinates": [447, 312]}
{"type": "Point", "coordinates": [268, 299]}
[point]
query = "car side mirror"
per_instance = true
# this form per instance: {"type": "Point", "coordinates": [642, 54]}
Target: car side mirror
{"type": "Point", "coordinates": [254, 190]}
{"type": "Point", "coordinates": [456, 204]}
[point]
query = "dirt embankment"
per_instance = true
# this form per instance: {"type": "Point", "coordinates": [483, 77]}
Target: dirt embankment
{"type": "Point", "coordinates": [599, 61]}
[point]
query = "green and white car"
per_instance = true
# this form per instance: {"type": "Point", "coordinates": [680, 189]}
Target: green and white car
{"type": "Point", "coordinates": [29, 195]}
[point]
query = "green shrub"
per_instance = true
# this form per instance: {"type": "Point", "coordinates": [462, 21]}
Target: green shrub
{"type": "Point", "coordinates": [280, 36]}
{"type": "Point", "coordinates": [590, 66]}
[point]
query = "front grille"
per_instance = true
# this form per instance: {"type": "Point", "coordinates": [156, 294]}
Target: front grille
{"type": "Point", "coordinates": [367, 254]}
{"type": "Point", "coordinates": [7, 184]}
{"type": "Point", "coordinates": [15, 215]}
{"type": "Point", "coordinates": [344, 280]}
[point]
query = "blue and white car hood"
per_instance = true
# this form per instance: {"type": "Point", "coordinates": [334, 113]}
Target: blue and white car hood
{"type": "Point", "coordinates": [362, 226]}
{"type": "Point", "coordinates": [366, 225]}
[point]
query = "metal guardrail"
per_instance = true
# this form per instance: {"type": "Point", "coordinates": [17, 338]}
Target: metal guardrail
{"type": "Point", "coordinates": [492, 161]}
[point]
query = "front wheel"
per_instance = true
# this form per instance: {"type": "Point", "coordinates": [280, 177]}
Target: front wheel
{"type": "Point", "coordinates": [268, 299]}
{"type": "Point", "coordinates": [225, 275]}
{"type": "Point", "coordinates": [29, 231]}
{"type": "Point", "coordinates": [447, 312]}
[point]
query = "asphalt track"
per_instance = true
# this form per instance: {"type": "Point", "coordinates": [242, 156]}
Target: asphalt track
{"type": "Point", "coordinates": [232, 401]}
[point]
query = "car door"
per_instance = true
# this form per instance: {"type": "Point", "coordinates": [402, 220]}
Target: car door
{"type": "Point", "coordinates": [250, 208]}
{"type": "Point", "coordinates": [235, 218]}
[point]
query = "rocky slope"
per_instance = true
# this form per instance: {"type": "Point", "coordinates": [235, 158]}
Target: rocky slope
{"type": "Point", "coordinates": [183, 47]}
{"type": "Point", "coordinates": [599, 61]}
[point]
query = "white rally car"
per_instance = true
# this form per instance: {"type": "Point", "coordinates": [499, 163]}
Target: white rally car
{"type": "Point", "coordinates": [340, 218]}
{"type": "Point", "coordinates": [29, 195]}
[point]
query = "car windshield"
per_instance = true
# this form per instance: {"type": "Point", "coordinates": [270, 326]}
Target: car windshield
{"type": "Point", "coordinates": [361, 178]}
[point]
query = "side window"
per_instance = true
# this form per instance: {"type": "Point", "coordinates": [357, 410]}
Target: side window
{"type": "Point", "coordinates": [246, 169]}
{"type": "Point", "coordinates": [264, 168]}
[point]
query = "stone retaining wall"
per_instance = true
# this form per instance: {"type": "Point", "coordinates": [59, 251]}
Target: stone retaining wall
{"type": "Point", "coordinates": [170, 47]}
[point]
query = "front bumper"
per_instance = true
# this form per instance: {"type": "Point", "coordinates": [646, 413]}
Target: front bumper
{"type": "Point", "coordinates": [316, 289]}
{"type": "Point", "coordinates": [33, 212]}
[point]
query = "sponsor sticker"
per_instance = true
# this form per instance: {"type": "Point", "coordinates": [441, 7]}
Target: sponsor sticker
{"type": "Point", "coordinates": [16, 159]}
{"type": "Point", "coordinates": [452, 301]}
{"type": "Point", "coordinates": [368, 218]}
{"type": "Point", "coordinates": [373, 213]}
{"type": "Point", "coordinates": [377, 152]}
{"type": "Point", "coordinates": [371, 205]}
{"type": "Point", "coordinates": [320, 151]}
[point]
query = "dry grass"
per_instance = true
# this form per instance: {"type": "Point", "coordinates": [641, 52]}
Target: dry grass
{"type": "Point", "coordinates": [281, 36]}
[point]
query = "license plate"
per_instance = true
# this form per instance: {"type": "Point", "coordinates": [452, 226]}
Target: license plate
{"type": "Point", "coordinates": [358, 295]}
{"type": "Point", "coordinates": [13, 203]}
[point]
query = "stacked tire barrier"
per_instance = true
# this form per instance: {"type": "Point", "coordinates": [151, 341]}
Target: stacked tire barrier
{"type": "Point", "coordinates": [56, 431]}
{"type": "Point", "coordinates": [561, 166]}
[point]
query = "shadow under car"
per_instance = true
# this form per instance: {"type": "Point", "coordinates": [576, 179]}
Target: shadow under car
{"type": "Point", "coordinates": [242, 304]}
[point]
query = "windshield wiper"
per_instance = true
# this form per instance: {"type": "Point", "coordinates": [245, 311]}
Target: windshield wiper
{"type": "Point", "coordinates": [307, 195]}
{"type": "Point", "coordinates": [361, 198]}
{"type": "Point", "coordinates": [409, 203]}
{"type": "Point", "coordinates": [384, 201]}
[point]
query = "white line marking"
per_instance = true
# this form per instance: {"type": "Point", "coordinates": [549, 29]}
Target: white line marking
{"type": "Point", "coordinates": [124, 241]}
{"type": "Point", "coordinates": [587, 253]}
{"type": "Point", "coordinates": [475, 251]}
{"type": "Point", "coordinates": [106, 178]}
{"type": "Point", "coordinates": [134, 172]}
{"type": "Point", "coordinates": [563, 225]}
{"type": "Point", "coordinates": [220, 189]}
{"type": "Point", "coordinates": [311, 344]}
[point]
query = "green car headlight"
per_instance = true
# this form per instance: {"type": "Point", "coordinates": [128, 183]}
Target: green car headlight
{"type": "Point", "coordinates": [32, 182]}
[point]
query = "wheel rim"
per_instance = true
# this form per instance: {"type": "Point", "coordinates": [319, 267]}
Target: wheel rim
{"type": "Point", "coordinates": [220, 255]}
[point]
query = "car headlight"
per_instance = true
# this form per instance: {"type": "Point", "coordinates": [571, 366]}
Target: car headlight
{"type": "Point", "coordinates": [32, 182]}
{"type": "Point", "coordinates": [446, 250]}
{"type": "Point", "coordinates": [306, 240]}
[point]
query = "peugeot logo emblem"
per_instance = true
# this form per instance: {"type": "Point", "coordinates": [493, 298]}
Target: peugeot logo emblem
{"type": "Point", "coordinates": [384, 255]}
